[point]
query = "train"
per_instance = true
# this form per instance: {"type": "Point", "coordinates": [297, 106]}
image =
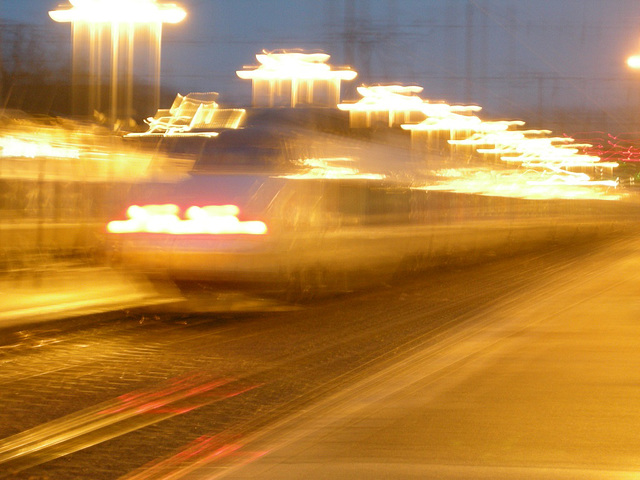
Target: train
{"type": "Point", "coordinates": [299, 200]}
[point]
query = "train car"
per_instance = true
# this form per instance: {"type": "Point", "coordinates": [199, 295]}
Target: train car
{"type": "Point", "coordinates": [300, 199]}
{"type": "Point", "coordinates": [271, 208]}
{"type": "Point", "coordinates": [266, 206]}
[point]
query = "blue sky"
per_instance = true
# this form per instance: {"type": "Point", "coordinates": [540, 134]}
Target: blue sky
{"type": "Point", "coordinates": [520, 57]}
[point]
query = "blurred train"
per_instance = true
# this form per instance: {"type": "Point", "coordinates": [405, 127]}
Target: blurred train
{"type": "Point", "coordinates": [295, 201]}
{"type": "Point", "coordinates": [271, 208]}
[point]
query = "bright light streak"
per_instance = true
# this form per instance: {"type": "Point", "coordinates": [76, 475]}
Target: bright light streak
{"type": "Point", "coordinates": [442, 116]}
{"type": "Point", "coordinates": [200, 213]}
{"type": "Point", "coordinates": [71, 150]}
{"type": "Point", "coordinates": [119, 11]}
{"type": "Point", "coordinates": [294, 78]}
{"type": "Point", "coordinates": [331, 168]}
{"type": "Point", "coordinates": [399, 103]}
{"type": "Point", "coordinates": [443, 110]}
{"type": "Point", "coordinates": [92, 21]}
{"type": "Point", "coordinates": [195, 114]}
{"type": "Point", "coordinates": [454, 122]}
{"type": "Point", "coordinates": [34, 148]}
{"type": "Point", "coordinates": [531, 149]}
{"type": "Point", "coordinates": [404, 106]}
{"type": "Point", "coordinates": [294, 65]}
{"type": "Point", "coordinates": [377, 98]}
{"type": "Point", "coordinates": [546, 164]}
{"type": "Point", "coordinates": [529, 184]}
{"type": "Point", "coordinates": [210, 219]}
{"type": "Point", "coordinates": [386, 98]}
{"type": "Point", "coordinates": [525, 149]}
{"type": "Point", "coordinates": [114, 418]}
{"type": "Point", "coordinates": [612, 147]}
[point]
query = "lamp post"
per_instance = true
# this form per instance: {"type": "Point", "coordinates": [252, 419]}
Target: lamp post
{"type": "Point", "coordinates": [103, 34]}
{"type": "Point", "coordinates": [633, 62]}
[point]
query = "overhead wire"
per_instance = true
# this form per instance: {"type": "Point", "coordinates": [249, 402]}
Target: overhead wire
{"type": "Point", "coordinates": [571, 81]}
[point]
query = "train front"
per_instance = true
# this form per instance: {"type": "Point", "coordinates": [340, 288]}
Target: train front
{"type": "Point", "coordinates": [280, 204]}
{"type": "Point", "coordinates": [251, 212]}
{"type": "Point", "coordinates": [227, 222]}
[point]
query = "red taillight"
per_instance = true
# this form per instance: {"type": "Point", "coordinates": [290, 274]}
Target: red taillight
{"type": "Point", "coordinates": [209, 219]}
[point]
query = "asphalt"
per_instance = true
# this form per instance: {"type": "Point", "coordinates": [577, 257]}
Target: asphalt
{"type": "Point", "coordinates": [544, 385]}
{"type": "Point", "coordinates": [59, 290]}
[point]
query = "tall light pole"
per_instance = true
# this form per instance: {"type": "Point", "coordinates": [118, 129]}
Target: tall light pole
{"type": "Point", "coordinates": [103, 34]}
{"type": "Point", "coordinates": [633, 62]}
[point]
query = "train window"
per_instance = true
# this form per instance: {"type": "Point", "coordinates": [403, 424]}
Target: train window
{"type": "Point", "coordinates": [252, 147]}
{"type": "Point", "coordinates": [371, 202]}
{"type": "Point", "coordinates": [351, 198]}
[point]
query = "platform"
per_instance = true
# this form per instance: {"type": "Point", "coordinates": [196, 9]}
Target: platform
{"type": "Point", "coordinates": [544, 385]}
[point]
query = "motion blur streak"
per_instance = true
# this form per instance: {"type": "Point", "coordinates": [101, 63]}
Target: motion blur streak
{"type": "Point", "coordinates": [192, 115]}
{"type": "Point", "coordinates": [530, 184]}
{"type": "Point", "coordinates": [198, 455]}
{"type": "Point", "coordinates": [331, 168]}
{"type": "Point", "coordinates": [111, 419]}
{"type": "Point", "coordinates": [31, 148]}
{"type": "Point", "coordinates": [287, 65]}
{"type": "Point", "coordinates": [71, 151]}
{"type": "Point", "coordinates": [146, 402]}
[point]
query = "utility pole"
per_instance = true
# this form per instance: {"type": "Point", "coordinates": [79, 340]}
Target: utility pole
{"type": "Point", "coordinates": [469, 52]}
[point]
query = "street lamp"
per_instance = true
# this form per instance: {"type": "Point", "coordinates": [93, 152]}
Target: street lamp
{"type": "Point", "coordinates": [634, 61]}
{"type": "Point", "coordinates": [98, 25]}
{"type": "Point", "coordinates": [295, 78]}
{"type": "Point", "coordinates": [119, 11]}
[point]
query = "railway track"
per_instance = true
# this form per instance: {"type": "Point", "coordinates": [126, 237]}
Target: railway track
{"type": "Point", "coordinates": [102, 397]}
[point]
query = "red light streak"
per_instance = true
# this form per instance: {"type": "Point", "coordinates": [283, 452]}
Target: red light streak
{"type": "Point", "coordinates": [164, 219]}
{"type": "Point", "coordinates": [610, 147]}
{"type": "Point", "coordinates": [158, 401]}
{"type": "Point", "coordinates": [198, 454]}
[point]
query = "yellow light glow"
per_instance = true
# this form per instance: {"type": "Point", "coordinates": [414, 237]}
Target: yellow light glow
{"type": "Point", "coordinates": [195, 115]}
{"type": "Point", "coordinates": [553, 158]}
{"type": "Point", "coordinates": [293, 78]}
{"type": "Point", "coordinates": [210, 219]}
{"type": "Point", "coordinates": [199, 213]}
{"type": "Point", "coordinates": [546, 173]}
{"type": "Point", "coordinates": [331, 168]}
{"type": "Point", "coordinates": [294, 65]}
{"type": "Point", "coordinates": [402, 98]}
{"type": "Point", "coordinates": [548, 154]}
{"type": "Point", "coordinates": [34, 147]}
{"type": "Point", "coordinates": [386, 98]}
{"type": "Point", "coordinates": [441, 117]}
{"type": "Point", "coordinates": [633, 61]}
{"type": "Point", "coordinates": [444, 110]}
{"type": "Point", "coordinates": [454, 122]}
{"type": "Point", "coordinates": [536, 151]}
{"type": "Point", "coordinates": [119, 11]}
{"type": "Point", "coordinates": [399, 103]}
{"type": "Point", "coordinates": [529, 184]}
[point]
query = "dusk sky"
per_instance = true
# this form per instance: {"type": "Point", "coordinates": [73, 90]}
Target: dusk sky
{"type": "Point", "coordinates": [520, 57]}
